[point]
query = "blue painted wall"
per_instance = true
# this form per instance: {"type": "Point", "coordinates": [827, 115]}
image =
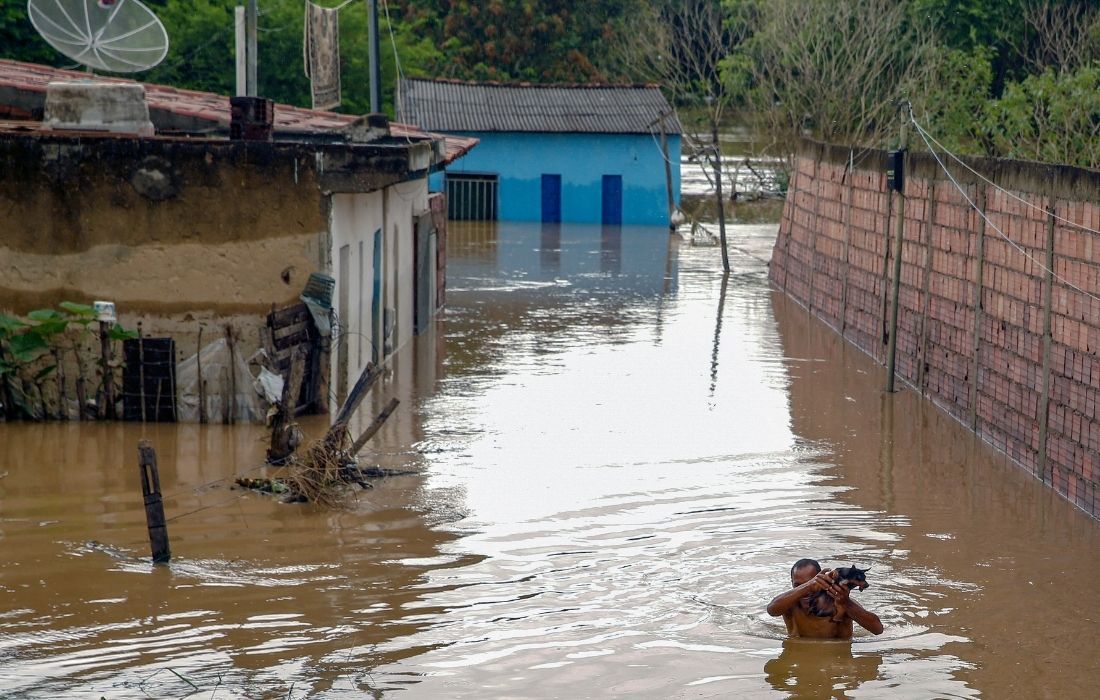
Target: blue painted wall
{"type": "Point", "coordinates": [521, 159]}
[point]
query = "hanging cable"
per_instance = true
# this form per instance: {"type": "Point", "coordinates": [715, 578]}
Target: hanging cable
{"type": "Point", "coordinates": [990, 223]}
{"type": "Point", "coordinates": [990, 182]}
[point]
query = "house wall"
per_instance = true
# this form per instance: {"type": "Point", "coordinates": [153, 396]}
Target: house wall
{"type": "Point", "coordinates": [189, 238]}
{"type": "Point", "coordinates": [186, 239]}
{"type": "Point", "coordinates": [355, 218]}
{"type": "Point", "coordinates": [999, 320]}
{"type": "Point", "coordinates": [520, 160]}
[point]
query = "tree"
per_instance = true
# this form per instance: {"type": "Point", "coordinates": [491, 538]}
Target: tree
{"type": "Point", "coordinates": [1050, 117]}
{"type": "Point", "coordinates": [835, 70]}
{"type": "Point", "coordinates": [1062, 36]}
{"type": "Point", "coordinates": [681, 44]}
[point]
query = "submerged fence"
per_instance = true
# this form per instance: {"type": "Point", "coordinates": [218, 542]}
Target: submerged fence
{"type": "Point", "coordinates": [999, 302]}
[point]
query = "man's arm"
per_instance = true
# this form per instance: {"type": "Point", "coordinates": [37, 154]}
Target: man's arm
{"type": "Point", "coordinates": [866, 619]}
{"type": "Point", "coordinates": [786, 600]}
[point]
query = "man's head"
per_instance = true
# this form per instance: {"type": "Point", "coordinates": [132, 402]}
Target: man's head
{"type": "Point", "coordinates": [803, 570]}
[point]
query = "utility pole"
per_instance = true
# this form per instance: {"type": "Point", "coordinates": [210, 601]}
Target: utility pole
{"type": "Point", "coordinates": [251, 17]}
{"type": "Point", "coordinates": [375, 58]}
{"type": "Point", "coordinates": [668, 170]}
{"type": "Point", "coordinates": [718, 191]}
{"type": "Point", "coordinates": [239, 43]}
{"type": "Point", "coordinates": [899, 231]}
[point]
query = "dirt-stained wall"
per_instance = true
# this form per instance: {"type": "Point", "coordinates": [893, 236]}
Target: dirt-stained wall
{"type": "Point", "coordinates": [183, 235]}
{"type": "Point", "coordinates": [999, 319]}
{"type": "Point", "coordinates": [156, 226]}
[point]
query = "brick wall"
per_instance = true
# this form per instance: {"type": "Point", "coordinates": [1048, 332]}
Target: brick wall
{"type": "Point", "coordinates": [983, 330]}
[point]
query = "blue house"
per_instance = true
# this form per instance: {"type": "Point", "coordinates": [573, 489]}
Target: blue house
{"type": "Point", "coordinates": [553, 153]}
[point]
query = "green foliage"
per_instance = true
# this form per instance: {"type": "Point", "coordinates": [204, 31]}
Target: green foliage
{"type": "Point", "coordinates": [1050, 117]}
{"type": "Point", "coordinates": [27, 345]}
{"type": "Point", "coordinates": [953, 106]}
{"type": "Point", "coordinates": [19, 40]}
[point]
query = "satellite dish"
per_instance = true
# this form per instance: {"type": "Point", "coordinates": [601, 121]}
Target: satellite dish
{"type": "Point", "coordinates": [117, 36]}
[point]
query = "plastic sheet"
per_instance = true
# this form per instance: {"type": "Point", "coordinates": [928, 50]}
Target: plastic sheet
{"type": "Point", "coordinates": [221, 377]}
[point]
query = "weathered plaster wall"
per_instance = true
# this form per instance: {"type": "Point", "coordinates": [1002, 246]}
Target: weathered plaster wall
{"type": "Point", "coordinates": [983, 330]}
{"type": "Point", "coordinates": [355, 218]}
{"type": "Point", "coordinates": [189, 235]}
{"type": "Point", "coordinates": [155, 226]}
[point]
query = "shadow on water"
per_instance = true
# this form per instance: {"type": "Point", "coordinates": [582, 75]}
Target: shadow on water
{"type": "Point", "coordinates": [817, 669]}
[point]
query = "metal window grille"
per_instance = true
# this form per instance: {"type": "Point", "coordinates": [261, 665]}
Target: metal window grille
{"type": "Point", "coordinates": [471, 197]}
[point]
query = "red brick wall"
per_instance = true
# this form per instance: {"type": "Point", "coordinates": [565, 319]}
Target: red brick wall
{"type": "Point", "coordinates": [993, 366]}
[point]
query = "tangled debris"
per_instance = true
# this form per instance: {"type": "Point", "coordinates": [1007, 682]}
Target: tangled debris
{"type": "Point", "coordinates": [327, 471]}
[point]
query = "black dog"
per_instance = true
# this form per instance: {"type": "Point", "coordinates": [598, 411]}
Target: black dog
{"type": "Point", "coordinates": [823, 605]}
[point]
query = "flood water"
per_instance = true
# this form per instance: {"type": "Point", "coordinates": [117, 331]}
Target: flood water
{"type": "Point", "coordinates": [618, 457]}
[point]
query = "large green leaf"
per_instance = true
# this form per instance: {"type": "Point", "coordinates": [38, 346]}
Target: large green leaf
{"type": "Point", "coordinates": [10, 324]}
{"type": "Point", "coordinates": [50, 327]}
{"type": "Point", "coordinates": [27, 347]}
{"type": "Point", "coordinates": [117, 332]}
{"type": "Point", "coordinates": [82, 310]}
{"type": "Point", "coordinates": [45, 315]}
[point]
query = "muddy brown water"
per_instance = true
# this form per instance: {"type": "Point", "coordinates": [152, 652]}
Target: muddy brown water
{"type": "Point", "coordinates": [616, 465]}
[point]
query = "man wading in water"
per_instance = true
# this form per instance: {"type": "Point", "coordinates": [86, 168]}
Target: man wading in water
{"type": "Point", "coordinates": [807, 578]}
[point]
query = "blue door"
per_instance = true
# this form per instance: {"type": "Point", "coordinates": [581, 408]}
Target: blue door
{"type": "Point", "coordinates": [612, 200]}
{"type": "Point", "coordinates": [376, 299]}
{"type": "Point", "coordinates": [551, 199]}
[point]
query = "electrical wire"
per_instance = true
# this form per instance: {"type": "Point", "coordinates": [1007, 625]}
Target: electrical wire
{"type": "Point", "coordinates": [990, 182]}
{"type": "Point", "coordinates": [990, 223]}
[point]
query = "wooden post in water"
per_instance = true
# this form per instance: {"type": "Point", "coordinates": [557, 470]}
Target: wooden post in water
{"type": "Point", "coordinates": [202, 384]}
{"type": "Point", "coordinates": [374, 426]}
{"type": "Point", "coordinates": [899, 235]}
{"type": "Point", "coordinates": [154, 506]}
{"type": "Point", "coordinates": [229, 340]}
{"type": "Point", "coordinates": [108, 409]}
{"type": "Point", "coordinates": [718, 192]}
{"type": "Point", "coordinates": [668, 171]}
{"type": "Point", "coordinates": [283, 442]}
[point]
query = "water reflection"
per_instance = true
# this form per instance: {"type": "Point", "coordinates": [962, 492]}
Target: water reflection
{"type": "Point", "coordinates": [819, 669]}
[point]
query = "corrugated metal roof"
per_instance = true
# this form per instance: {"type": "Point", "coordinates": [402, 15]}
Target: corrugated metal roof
{"type": "Point", "coordinates": [212, 108]}
{"type": "Point", "coordinates": [608, 109]}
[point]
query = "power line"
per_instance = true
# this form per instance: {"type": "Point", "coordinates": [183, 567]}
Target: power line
{"type": "Point", "coordinates": [990, 223]}
{"type": "Point", "coordinates": [995, 185]}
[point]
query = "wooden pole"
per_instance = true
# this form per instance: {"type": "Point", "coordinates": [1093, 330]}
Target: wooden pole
{"type": "Point", "coordinates": [154, 506]}
{"type": "Point", "coordinates": [843, 321]}
{"type": "Point", "coordinates": [374, 427]}
{"type": "Point", "coordinates": [62, 409]}
{"type": "Point", "coordinates": [899, 234]}
{"type": "Point", "coordinates": [81, 396]}
{"type": "Point", "coordinates": [375, 60]}
{"type": "Point", "coordinates": [141, 372]}
{"type": "Point", "coordinates": [1048, 305]}
{"type": "Point", "coordinates": [718, 192]}
{"type": "Point", "coordinates": [370, 375]}
{"type": "Point", "coordinates": [251, 59]}
{"type": "Point", "coordinates": [232, 373]}
{"type": "Point", "coordinates": [926, 297]}
{"type": "Point", "coordinates": [202, 384]}
{"type": "Point", "coordinates": [107, 410]}
{"type": "Point", "coordinates": [976, 338]}
{"type": "Point", "coordinates": [366, 380]}
{"type": "Point", "coordinates": [282, 446]}
{"type": "Point", "coordinates": [668, 171]}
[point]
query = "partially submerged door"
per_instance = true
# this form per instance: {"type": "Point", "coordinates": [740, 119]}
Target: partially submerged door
{"type": "Point", "coordinates": [551, 199]}
{"type": "Point", "coordinates": [376, 300]}
{"type": "Point", "coordinates": [612, 209]}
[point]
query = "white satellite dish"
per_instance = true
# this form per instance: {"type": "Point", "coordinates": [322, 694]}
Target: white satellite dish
{"type": "Point", "coordinates": [117, 36]}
